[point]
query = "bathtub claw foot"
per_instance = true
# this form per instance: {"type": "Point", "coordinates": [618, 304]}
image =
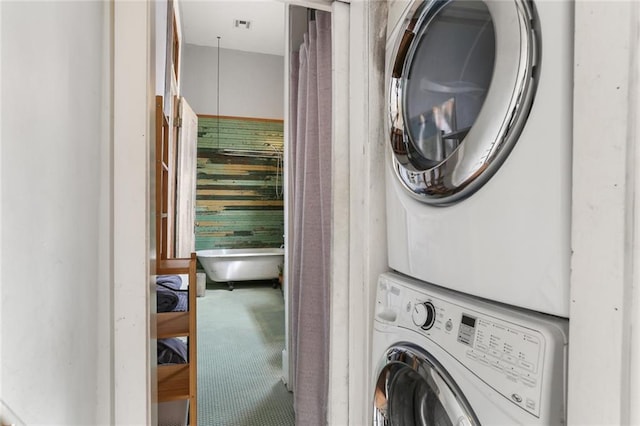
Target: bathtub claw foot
{"type": "Point", "coordinates": [230, 285]}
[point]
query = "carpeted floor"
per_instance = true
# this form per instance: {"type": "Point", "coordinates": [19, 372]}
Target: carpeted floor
{"type": "Point", "coordinates": [240, 342]}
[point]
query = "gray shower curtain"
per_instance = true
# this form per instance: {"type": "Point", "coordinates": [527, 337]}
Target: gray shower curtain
{"type": "Point", "coordinates": [310, 159]}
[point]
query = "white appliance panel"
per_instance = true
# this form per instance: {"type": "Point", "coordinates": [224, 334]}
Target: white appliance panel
{"type": "Point", "coordinates": [510, 240]}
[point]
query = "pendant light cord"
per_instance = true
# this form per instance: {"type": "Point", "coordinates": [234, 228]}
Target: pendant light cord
{"type": "Point", "coordinates": [218, 95]}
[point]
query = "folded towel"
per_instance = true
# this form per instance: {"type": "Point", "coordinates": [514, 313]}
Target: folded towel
{"type": "Point", "coordinates": [172, 351]}
{"type": "Point", "coordinates": [183, 302]}
{"type": "Point", "coordinates": [170, 296]}
{"type": "Point", "coordinates": [167, 300]}
{"type": "Point", "coordinates": [174, 282]}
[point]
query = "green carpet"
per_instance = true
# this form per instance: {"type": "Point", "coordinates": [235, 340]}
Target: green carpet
{"type": "Point", "coordinates": [240, 343]}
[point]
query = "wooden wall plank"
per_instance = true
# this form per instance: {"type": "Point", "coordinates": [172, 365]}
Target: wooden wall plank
{"type": "Point", "coordinates": [239, 184]}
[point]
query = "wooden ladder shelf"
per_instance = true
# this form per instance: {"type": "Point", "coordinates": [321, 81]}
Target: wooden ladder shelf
{"type": "Point", "coordinates": [179, 381]}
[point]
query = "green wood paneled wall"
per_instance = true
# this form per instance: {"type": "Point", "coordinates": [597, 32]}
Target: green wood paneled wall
{"type": "Point", "coordinates": [239, 189]}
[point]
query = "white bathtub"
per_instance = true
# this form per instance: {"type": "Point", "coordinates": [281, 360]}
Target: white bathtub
{"type": "Point", "coordinates": [229, 265]}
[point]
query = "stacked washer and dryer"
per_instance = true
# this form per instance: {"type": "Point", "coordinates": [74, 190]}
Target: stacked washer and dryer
{"type": "Point", "coordinates": [471, 325]}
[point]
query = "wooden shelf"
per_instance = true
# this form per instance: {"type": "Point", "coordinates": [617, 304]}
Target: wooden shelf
{"type": "Point", "coordinates": [172, 324]}
{"type": "Point", "coordinates": [173, 382]}
{"type": "Point", "coordinates": [180, 381]}
{"type": "Point", "coordinates": [175, 266]}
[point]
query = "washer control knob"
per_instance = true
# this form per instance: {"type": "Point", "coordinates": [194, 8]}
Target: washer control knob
{"type": "Point", "coordinates": [424, 315]}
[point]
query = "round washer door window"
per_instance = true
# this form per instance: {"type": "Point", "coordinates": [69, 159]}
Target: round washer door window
{"type": "Point", "coordinates": [413, 389]}
{"type": "Point", "coordinates": [461, 86]}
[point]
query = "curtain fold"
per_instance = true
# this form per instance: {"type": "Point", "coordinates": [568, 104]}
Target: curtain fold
{"type": "Point", "coordinates": [310, 156]}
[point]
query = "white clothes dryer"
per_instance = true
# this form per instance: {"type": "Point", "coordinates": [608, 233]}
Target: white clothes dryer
{"type": "Point", "coordinates": [446, 358]}
{"type": "Point", "coordinates": [479, 121]}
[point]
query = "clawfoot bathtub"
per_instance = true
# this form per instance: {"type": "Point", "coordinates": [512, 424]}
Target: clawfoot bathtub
{"type": "Point", "coordinates": [230, 265]}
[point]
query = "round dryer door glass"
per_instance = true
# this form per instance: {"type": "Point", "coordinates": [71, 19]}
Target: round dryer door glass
{"type": "Point", "coordinates": [443, 97]}
{"type": "Point", "coordinates": [461, 86]}
{"type": "Point", "coordinates": [413, 389]}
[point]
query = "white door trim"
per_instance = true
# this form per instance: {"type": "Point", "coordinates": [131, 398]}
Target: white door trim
{"type": "Point", "coordinates": [325, 5]}
{"type": "Point", "coordinates": [367, 226]}
{"type": "Point", "coordinates": [338, 394]}
{"type": "Point", "coordinates": [133, 235]}
{"type": "Point", "coordinates": [604, 298]}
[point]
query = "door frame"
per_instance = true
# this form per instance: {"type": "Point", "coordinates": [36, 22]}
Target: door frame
{"type": "Point", "coordinates": [133, 236]}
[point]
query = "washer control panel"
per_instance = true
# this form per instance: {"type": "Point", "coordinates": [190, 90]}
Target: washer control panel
{"type": "Point", "coordinates": [505, 354]}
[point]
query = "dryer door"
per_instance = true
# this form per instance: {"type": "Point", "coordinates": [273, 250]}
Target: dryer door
{"type": "Point", "coordinates": [461, 83]}
{"type": "Point", "coordinates": [413, 389]}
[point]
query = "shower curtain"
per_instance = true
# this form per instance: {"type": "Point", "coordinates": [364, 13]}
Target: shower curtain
{"type": "Point", "coordinates": [310, 157]}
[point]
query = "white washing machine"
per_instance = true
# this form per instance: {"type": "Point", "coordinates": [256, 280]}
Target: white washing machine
{"type": "Point", "coordinates": [445, 358]}
{"type": "Point", "coordinates": [479, 125]}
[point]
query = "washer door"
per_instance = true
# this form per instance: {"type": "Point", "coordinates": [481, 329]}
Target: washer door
{"type": "Point", "coordinates": [413, 389]}
{"type": "Point", "coordinates": [462, 79]}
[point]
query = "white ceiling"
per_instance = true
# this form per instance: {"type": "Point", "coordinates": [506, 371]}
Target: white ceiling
{"type": "Point", "coordinates": [203, 21]}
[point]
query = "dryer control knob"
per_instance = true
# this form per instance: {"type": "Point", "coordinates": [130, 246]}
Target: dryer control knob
{"type": "Point", "coordinates": [424, 315]}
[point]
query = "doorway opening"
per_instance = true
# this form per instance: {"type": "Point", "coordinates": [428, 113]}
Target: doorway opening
{"type": "Point", "coordinates": [325, 135]}
{"type": "Point", "coordinates": [237, 202]}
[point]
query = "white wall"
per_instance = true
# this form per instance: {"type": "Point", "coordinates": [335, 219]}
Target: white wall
{"type": "Point", "coordinates": [55, 325]}
{"type": "Point", "coordinates": [251, 84]}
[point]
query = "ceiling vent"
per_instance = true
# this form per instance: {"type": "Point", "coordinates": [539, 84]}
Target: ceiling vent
{"type": "Point", "coordinates": [242, 23]}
